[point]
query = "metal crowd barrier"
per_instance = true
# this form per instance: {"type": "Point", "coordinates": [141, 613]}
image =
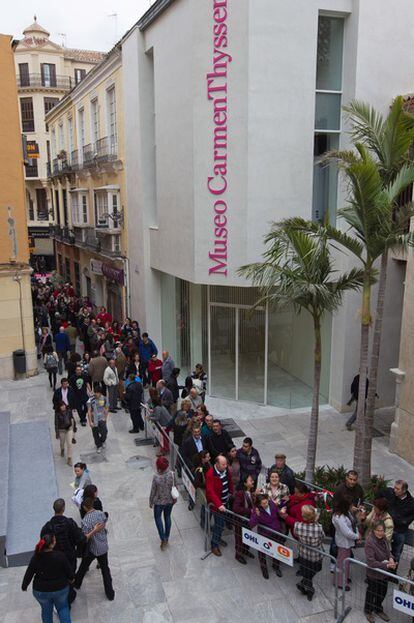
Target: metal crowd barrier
{"type": "Point", "coordinates": [393, 593]}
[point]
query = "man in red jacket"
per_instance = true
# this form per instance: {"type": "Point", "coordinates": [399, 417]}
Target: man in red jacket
{"type": "Point", "coordinates": [219, 487]}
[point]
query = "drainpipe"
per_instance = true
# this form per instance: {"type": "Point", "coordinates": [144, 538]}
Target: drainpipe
{"type": "Point", "coordinates": [127, 286]}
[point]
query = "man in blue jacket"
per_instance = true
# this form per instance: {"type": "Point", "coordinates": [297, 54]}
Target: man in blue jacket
{"type": "Point", "coordinates": [62, 347]}
{"type": "Point", "coordinates": [146, 349]}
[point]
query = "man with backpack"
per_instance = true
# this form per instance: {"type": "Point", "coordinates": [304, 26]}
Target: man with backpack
{"type": "Point", "coordinates": [51, 361]}
{"type": "Point", "coordinates": [69, 537]}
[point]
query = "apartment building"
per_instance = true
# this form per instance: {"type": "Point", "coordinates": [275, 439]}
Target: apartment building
{"type": "Point", "coordinates": [230, 106]}
{"type": "Point", "coordinates": [45, 72]}
{"type": "Point", "coordinates": [16, 327]}
{"type": "Point", "coordinates": [86, 186]}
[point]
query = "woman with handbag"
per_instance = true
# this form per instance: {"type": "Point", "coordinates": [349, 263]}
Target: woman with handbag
{"type": "Point", "coordinates": [65, 426]}
{"type": "Point", "coordinates": [163, 496]}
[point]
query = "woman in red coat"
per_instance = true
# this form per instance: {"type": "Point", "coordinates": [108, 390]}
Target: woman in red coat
{"type": "Point", "coordinates": [301, 497]}
{"type": "Point", "coordinates": [243, 504]}
{"type": "Point", "coordinates": [154, 369]}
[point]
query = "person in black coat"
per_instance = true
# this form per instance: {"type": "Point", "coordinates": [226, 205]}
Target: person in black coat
{"type": "Point", "coordinates": [192, 446]}
{"type": "Point", "coordinates": [173, 386]}
{"type": "Point", "coordinates": [81, 385]}
{"type": "Point", "coordinates": [134, 395]}
{"type": "Point", "coordinates": [219, 442]}
{"type": "Point", "coordinates": [65, 394]}
{"type": "Point", "coordinates": [401, 509]}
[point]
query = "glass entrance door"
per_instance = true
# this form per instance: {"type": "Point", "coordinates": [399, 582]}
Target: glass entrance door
{"type": "Point", "coordinates": [237, 352]}
{"type": "Point", "coordinates": [223, 351]}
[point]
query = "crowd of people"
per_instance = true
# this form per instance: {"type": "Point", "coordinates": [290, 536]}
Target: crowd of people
{"type": "Point", "coordinates": [106, 365]}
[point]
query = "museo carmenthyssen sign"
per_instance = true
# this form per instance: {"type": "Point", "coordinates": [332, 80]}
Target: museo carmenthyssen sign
{"type": "Point", "coordinates": [217, 92]}
{"type": "Point", "coordinates": [267, 546]}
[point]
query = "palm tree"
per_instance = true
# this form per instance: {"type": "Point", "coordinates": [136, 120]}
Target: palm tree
{"type": "Point", "coordinates": [375, 227]}
{"type": "Point", "coordinates": [390, 140]}
{"type": "Point", "coordinates": [297, 270]}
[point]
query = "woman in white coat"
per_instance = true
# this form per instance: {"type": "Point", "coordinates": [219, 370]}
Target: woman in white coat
{"type": "Point", "coordinates": [346, 535]}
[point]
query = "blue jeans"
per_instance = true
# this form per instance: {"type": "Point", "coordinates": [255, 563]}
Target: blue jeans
{"type": "Point", "coordinates": [218, 527]}
{"type": "Point", "coordinates": [397, 545]}
{"type": "Point", "coordinates": [159, 510]}
{"type": "Point", "coordinates": [59, 599]}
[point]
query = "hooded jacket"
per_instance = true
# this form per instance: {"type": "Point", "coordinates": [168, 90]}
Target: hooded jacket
{"type": "Point", "coordinates": [294, 508]}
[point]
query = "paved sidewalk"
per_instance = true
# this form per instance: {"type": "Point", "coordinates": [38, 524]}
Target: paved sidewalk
{"type": "Point", "coordinates": [176, 585]}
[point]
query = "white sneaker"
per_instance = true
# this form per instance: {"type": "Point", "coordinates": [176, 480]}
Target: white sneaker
{"type": "Point", "coordinates": [98, 450]}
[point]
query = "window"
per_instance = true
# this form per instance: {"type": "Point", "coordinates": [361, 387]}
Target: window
{"type": "Point", "coordinates": [26, 109]}
{"type": "Point", "coordinates": [67, 269]}
{"type": "Point", "coordinates": [84, 209]}
{"type": "Point", "coordinates": [24, 75]}
{"type": "Point", "coordinates": [30, 206]}
{"type": "Point", "coordinates": [95, 121]}
{"type": "Point", "coordinates": [79, 75]}
{"type": "Point", "coordinates": [48, 73]}
{"type": "Point", "coordinates": [101, 209]}
{"type": "Point", "coordinates": [111, 100]}
{"type": "Point", "coordinates": [61, 137]}
{"type": "Point", "coordinates": [57, 205]}
{"type": "Point", "coordinates": [54, 149]}
{"type": "Point", "coordinates": [41, 204]}
{"type": "Point", "coordinates": [49, 103]}
{"type": "Point", "coordinates": [65, 207]}
{"type": "Point", "coordinates": [81, 120]}
{"type": "Point", "coordinates": [107, 208]}
{"type": "Point", "coordinates": [79, 208]}
{"type": "Point", "coordinates": [77, 278]}
{"type": "Point", "coordinates": [70, 134]}
{"type": "Point", "coordinates": [31, 169]}
{"type": "Point", "coordinates": [327, 116]}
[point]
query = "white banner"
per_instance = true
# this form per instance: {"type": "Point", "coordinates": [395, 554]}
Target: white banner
{"type": "Point", "coordinates": [188, 484]}
{"type": "Point", "coordinates": [403, 602]}
{"type": "Point", "coordinates": [267, 546]}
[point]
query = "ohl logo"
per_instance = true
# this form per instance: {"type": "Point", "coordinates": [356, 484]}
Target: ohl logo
{"type": "Point", "coordinates": [268, 545]}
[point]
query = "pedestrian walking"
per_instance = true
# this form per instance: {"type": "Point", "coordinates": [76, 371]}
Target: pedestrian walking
{"type": "Point", "coordinates": [98, 417]}
{"type": "Point", "coordinates": [354, 398]}
{"type": "Point", "coordinates": [51, 363]}
{"type": "Point", "coordinates": [134, 396]}
{"type": "Point", "coordinates": [80, 384]}
{"type": "Point", "coordinates": [162, 500]}
{"type": "Point", "coordinates": [65, 426]}
{"type": "Point", "coordinates": [82, 476]}
{"type": "Point", "coordinates": [98, 548]}
{"type": "Point", "coordinates": [111, 380]}
{"type": "Point", "coordinates": [51, 574]}
{"type": "Point", "coordinates": [62, 348]}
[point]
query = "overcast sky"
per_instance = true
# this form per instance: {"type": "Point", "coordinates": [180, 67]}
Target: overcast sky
{"type": "Point", "coordinates": [86, 23]}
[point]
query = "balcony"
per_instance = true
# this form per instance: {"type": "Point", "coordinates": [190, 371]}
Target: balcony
{"type": "Point", "coordinates": [86, 237]}
{"type": "Point", "coordinates": [74, 160]}
{"type": "Point", "coordinates": [106, 149]}
{"type": "Point", "coordinates": [64, 234]}
{"type": "Point", "coordinates": [39, 81]}
{"type": "Point", "coordinates": [88, 155]}
{"type": "Point", "coordinates": [31, 170]}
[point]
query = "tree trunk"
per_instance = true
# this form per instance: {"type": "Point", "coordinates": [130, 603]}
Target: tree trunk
{"type": "Point", "coordinates": [359, 459]}
{"type": "Point", "coordinates": [373, 370]}
{"type": "Point", "coordinates": [313, 427]}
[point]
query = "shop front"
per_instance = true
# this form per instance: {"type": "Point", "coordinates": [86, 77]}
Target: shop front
{"type": "Point", "coordinates": [106, 283]}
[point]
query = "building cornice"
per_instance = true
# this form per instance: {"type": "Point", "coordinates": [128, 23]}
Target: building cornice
{"type": "Point", "coordinates": [91, 80]}
{"type": "Point", "coordinates": [153, 13]}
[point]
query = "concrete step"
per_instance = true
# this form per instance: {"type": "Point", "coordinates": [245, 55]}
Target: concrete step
{"type": "Point", "coordinates": [32, 488]}
{"type": "Point", "coordinates": [4, 480]}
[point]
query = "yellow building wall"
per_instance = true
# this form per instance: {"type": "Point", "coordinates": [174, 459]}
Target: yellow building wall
{"type": "Point", "coordinates": [13, 257]}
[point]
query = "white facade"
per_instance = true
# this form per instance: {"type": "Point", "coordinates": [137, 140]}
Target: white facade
{"type": "Point", "coordinates": [253, 64]}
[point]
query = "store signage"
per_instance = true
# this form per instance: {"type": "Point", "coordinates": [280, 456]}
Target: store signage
{"type": "Point", "coordinates": [267, 546]}
{"type": "Point", "coordinates": [39, 233]}
{"type": "Point", "coordinates": [217, 180]}
{"type": "Point", "coordinates": [403, 602]}
{"type": "Point", "coordinates": [113, 273]}
{"type": "Point", "coordinates": [188, 484]}
{"type": "Point", "coordinates": [96, 267]}
{"type": "Point", "coordinates": [32, 150]}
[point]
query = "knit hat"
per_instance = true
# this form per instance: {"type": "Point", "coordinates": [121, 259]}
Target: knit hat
{"type": "Point", "coordinates": [161, 463]}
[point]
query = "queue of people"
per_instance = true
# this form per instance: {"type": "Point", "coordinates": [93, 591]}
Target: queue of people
{"type": "Point", "coordinates": [117, 366]}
